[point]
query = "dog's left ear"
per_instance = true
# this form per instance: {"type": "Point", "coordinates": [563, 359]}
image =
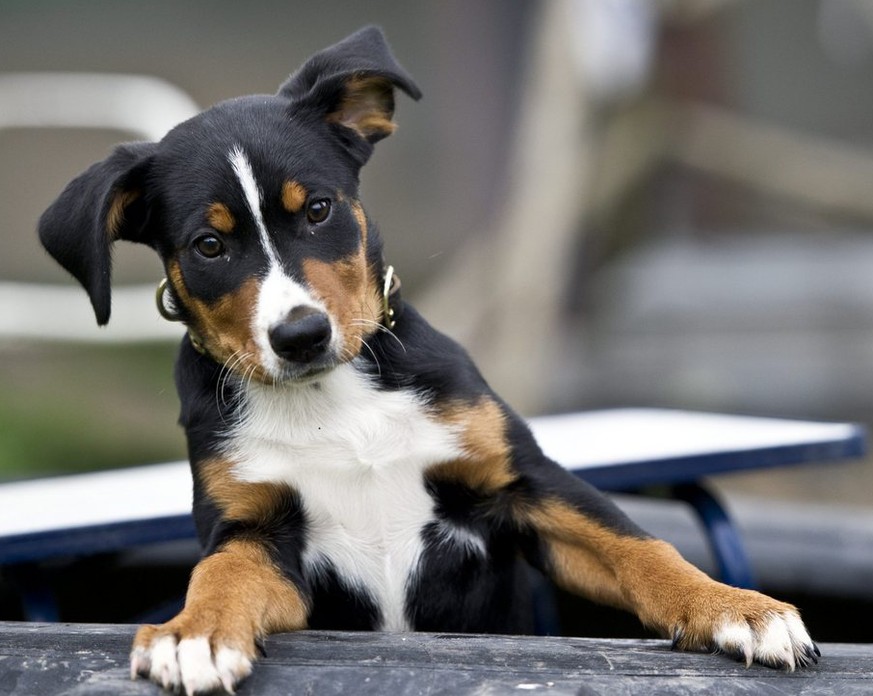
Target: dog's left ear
{"type": "Point", "coordinates": [100, 206]}
{"type": "Point", "coordinates": [351, 85]}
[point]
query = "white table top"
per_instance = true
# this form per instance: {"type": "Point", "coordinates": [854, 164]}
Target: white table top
{"type": "Point", "coordinates": [633, 445]}
{"type": "Point", "coordinates": [624, 436]}
{"type": "Point", "coordinates": [98, 498]}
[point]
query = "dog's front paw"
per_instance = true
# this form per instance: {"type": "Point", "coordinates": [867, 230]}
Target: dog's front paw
{"type": "Point", "coordinates": [749, 626]}
{"type": "Point", "coordinates": [777, 640]}
{"type": "Point", "coordinates": [196, 663]}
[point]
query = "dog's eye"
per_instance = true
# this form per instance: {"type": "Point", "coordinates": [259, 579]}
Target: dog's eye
{"type": "Point", "coordinates": [317, 210]}
{"type": "Point", "coordinates": [209, 246]}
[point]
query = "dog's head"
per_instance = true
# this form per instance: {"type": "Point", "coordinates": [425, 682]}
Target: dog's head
{"type": "Point", "coordinates": [252, 206]}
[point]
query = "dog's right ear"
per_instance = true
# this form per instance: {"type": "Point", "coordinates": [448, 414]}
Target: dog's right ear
{"type": "Point", "coordinates": [105, 203]}
{"type": "Point", "coordinates": [350, 86]}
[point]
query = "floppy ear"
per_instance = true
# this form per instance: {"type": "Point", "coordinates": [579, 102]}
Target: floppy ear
{"type": "Point", "coordinates": [350, 85]}
{"type": "Point", "coordinates": [101, 205]}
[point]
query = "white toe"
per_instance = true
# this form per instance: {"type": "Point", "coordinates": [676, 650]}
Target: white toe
{"type": "Point", "coordinates": [233, 666]}
{"type": "Point", "coordinates": [190, 665]}
{"type": "Point", "coordinates": [736, 639]}
{"type": "Point", "coordinates": [195, 664]}
{"type": "Point", "coordinates": [802, 645]}
{"type": "Point", "coordinates": [140, 662]}
{"type": "Point", "coordinates": [774, 645]}
{"type": "Point", "coordinates": [164, 665]}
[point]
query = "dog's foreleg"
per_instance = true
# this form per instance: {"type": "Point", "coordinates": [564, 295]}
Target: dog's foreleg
{"type": "Point", "coordinates": [604, 559]}
{"type": "Point", "coordinates": [236, 596]}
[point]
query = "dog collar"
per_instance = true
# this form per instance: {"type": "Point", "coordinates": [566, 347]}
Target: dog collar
{"type": "Point", "coordinates": [390, 297]}
{"type": "Point", "coordinates": [167, 309]}
{"type": "Point", "coordinates": [390, 305]}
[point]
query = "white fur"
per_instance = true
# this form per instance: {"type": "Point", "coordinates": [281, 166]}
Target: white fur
{"type": "Point", "coordinates": [279, 293]}
{"type": "Point", "coordinates": [232, 666]}
{"type": "Point", "coordinates": [196, 668]}
{"type": "Point", "coordinates": [736, 639]}
{"type": "Point", "coordinates": [190, 665]}
{"type": "Point", "coordinates": [252, 192]}
{"type": "Point", "coordinates": [356, 455]}
{"type": "Point", "coordinates": [164, 665]}
{"type": "Point", "coordinates": [468, 541]}
{"type": "Point", "coordinates": [277, 296]}
{"type": "Point", "coordinates": [783, 641]}
{"type": "Point", "coordinates": [140, 661]}
{"type": "Point", "coordinates": [799, 636]}
{"type": "Point", "coordinates": [774, 644]}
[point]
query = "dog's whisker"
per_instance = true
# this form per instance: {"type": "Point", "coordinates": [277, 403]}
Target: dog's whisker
{"type": "Point", "coordinates": [228, 371]}
{"type": "Point", "coordinates": [250, 375]}
{"type": "Point", "coordinates": [223, 376]}
{"type": "Point", "coordinates": [243, 381]}
{"type": "Point", "coordinates": [375, 357]}
{"type": "Point", "coordinates": [379, 327]}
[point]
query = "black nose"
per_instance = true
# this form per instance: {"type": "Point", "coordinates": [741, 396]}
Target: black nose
{"type": "Point", "coordinates": [303, 336]}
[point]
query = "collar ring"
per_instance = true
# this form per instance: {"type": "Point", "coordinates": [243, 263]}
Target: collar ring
{"type": "Point", "coordinates": [390, 286]}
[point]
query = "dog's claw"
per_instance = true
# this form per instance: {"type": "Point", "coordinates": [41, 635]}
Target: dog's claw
{"type": "Point", "coordinates": [677, 637]}
{"type": "Point", "coordinates": [812, 653]}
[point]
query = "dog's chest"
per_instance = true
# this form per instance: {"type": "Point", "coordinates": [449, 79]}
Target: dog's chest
{"type": "Point", "coordinates": [356, 456]}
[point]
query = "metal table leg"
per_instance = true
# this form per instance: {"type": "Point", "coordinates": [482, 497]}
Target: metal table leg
{"type": "Point", "coordinates": [722, 534]}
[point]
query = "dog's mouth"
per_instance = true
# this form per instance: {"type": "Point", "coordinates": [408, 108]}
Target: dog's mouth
{"type": "Point", "coordinates": [293, 373]}
{"type": "Point", "coordinates": [278, 371]}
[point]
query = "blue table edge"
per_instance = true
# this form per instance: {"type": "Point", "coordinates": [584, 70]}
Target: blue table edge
{"type": "Point", "coordinates": [693, 467]}
{"type": "Point", "coordinates": [92, 539]}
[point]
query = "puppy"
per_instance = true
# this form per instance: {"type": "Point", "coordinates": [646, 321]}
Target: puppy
{"type": "Point", "coordinates": [352, 469]}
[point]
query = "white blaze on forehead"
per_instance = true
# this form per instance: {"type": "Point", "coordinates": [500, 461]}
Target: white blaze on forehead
{"type": "Point", "coordinates": [252, 192]}
{"type": "Point", "coordinates": [279, 293]}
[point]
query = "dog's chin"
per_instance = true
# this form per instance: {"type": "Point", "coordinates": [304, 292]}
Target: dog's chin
{"type": "Point", "coordinates": [296, 374]}
{"type": "Point", "coordinates": [279, 372]}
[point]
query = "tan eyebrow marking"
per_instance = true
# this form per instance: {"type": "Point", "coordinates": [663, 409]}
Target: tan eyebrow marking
{"type": "Point", "coordinates": [220, 218]}
{"type": "Point", "coordinates": [293, 196]}
{"type": "Point", "coordinates": [361, 219]}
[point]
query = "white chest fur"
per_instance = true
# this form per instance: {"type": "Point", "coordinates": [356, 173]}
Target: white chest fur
{"type": "Point", "coordinates": [356, 456]}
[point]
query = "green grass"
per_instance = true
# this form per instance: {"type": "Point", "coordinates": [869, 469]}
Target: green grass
{"type": "Point", "coordinates": [73, 408]}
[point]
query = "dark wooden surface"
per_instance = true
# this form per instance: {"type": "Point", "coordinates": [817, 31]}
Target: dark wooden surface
{"type": "Point", "coordinates": [68, 660]}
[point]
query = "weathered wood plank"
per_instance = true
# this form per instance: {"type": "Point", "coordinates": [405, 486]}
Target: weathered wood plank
{"type": "Point", "coordinates": [75, 660]}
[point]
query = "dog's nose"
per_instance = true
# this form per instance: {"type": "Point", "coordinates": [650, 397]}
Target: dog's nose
{"type": "Point", "coordinates": [303, 336]}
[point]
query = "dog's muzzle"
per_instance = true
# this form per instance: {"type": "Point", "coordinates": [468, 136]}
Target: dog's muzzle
{"type": "Point", "coordinates": [303, 337]}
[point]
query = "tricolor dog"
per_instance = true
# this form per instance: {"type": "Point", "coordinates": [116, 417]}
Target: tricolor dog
{"type": "Point", "coordinates": [352, 469]}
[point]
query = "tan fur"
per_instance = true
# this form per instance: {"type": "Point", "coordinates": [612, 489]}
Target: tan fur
{"type": "Point", "coordinates": [224, 326]}
{"type": "Point", "coordinates": [241, 501]}
{"type": "Point", "coordinates": [348, 291]}
{"type": "Point", "coordinates": [293, 196]}
{"type": "Point", "coordinates": [361, 219]}
{"type": "Point", "coordinates": [366, 107]}
{"type": "Point", "coordinates": [115, 216]}
{"type": "Point", "coordinates": [485, 466]}
{"type": "Point", "coordinates": [646, 576]}
{"type": "Point", "coordinates": [235, 596]}
{"type": "Point", "coordinates": [220, 218]}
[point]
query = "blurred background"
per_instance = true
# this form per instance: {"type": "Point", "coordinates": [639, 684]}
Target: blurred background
{"type": "Point", "coordinates": [610, 202]}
